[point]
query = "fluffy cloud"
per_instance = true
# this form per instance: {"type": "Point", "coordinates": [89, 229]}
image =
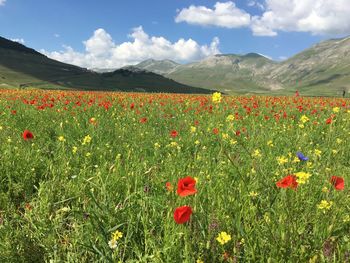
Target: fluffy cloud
{"type": "Point", "coordinates": [322, 17]}
{"type": "Point", "coordinates": [257, 4]}
{"type": "Point", "coordinates": [19, 40]}
{"type": "Point", "coordinates": [223, 15]}
{"type": "Point", "coordinates": [2, 2]}
{"type": "Point", "coordinates": [102, 52]}
{"type": "Point", "coordinates": [317, 17]}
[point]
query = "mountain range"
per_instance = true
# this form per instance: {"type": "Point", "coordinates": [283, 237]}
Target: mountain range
{"type": "Point", "coordinates": [323, 69]}
{"type": "Point", "coordinates": [23, 67]}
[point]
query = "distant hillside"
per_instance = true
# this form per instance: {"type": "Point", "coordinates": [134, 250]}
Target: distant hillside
{"type": "Point", "coordinates": [323, 69]}
{"type": "Point", "coordinates": [238, 73]}
{"type": "Point", "coordinates": [24, 67]}
{"type": "Point", "coordinates": [158, 66]}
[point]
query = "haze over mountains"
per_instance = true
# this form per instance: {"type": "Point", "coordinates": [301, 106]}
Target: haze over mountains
{"type": "Point", "coordinates": [323, 69]}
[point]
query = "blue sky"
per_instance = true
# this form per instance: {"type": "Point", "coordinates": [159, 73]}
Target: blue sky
{"type": "Point", "coordinates": [120, 32]}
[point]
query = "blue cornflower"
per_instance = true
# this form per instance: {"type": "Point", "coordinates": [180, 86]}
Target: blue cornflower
{"type": "Point", "coordinates": [302, 157]}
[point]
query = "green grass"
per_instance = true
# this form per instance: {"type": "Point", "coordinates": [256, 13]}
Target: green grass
{"type": "Point", "coordinates": [61, 206]}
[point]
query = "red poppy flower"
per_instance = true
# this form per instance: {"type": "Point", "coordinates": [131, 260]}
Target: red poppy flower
{"type": "Point", "coordinates": [329, 121]}
{"type": "Point", "coordinates": [338, 183]}
{"type": "Point", "coordinates": [169, 186]}
{"type": "Point", "coordinates": [215, 130]}
{"type": "Point", "coordinates": [27, 135]}
{"type": "Point", "coordinates": [186, 186]}
{"type": "Point", "coordinates": [143, 120]}
{"type": "Point", "coordinates": [173, 133]}
{"type": "Point", "coordinates": [288, 182]}
{"type": "Point", "coordinates": [182, 214]}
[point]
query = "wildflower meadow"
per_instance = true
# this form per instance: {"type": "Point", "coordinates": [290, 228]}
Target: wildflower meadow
{"type": "Point", "coordinates": [131, 177]}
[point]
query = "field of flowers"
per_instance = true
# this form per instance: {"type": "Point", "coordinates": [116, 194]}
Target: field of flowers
{"type": "Point", "coordinates": [98, 177]}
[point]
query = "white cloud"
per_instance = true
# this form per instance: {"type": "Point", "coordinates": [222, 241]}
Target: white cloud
{"type": "Point", "coordinates": [330, 17]}
{"type": "Point", "coordinates": [281, 58]}
{"type": "Point", "coordinates": [2, 2]}
{"type": "Point", "coordinates": [257, 4]}
{"type": "Point", "coordinates": [223, 15]}
{"type": "Point", "coordinates": [19, 40]}
{"type": "Point", "coordinates": [321, 17]}
{"type": "Point", "coordinates": [102, 52]}
{"type": "Point", "coordinates": [56, 35]}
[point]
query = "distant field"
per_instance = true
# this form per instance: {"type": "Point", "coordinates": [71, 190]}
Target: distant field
{"type": "Point", "coordinates": [131, 177]}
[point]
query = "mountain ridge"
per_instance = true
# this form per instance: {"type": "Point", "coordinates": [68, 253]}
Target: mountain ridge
{"type": "Point", "coordinates": [24, 67]}
{"type": "Point", "coordinates": [322, 69]}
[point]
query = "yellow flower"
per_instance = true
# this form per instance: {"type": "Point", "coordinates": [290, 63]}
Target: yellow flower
{"type": "Point", "coordinates": [282, 160]}
{"type": "Point", "coordinates": [336, 109]}
{"type": "Point", "coordinates": [339, 141]}
{"type": "Point", "coordinates": [304, 119]}
{"type": "Point", "coordinates": [74, 149]}
{"type": "Point", "coordinates": [253, 194]}
{"type": "Point", "coordinates": [115, 237]}
{"type": "Point", "coordinates": [334, 151]}
{"type": "Point", "coordinates": [346, 219]}
{"type": "Point", "coordinates": [325, 189]}
{"type": "Point", "coordinates": [317, 152]}
{"type": "Point", "coordinates": [270, 143]}
{"type": "Point", "coordinates": [301, 126]}
{"type": "Point", "coordinates": [233, 142]}
{"type": "Point", "coordinates": [256, 153]}
{"type": "Point", "coordinates": [88, 154]}
{"type": "Point", "coordinates": [197, 142]}
{"type": "Point", "coordinates": [223, 238]}
{"type": "Point", "coordinates": [61, 138]}
{"type": "Point", "coordinates": [156, 145]}
{"type": "Point", "coordinates": [302, 177]}
{"type": "Point", "coordinates": [230, 117]}
{"type": "Point", "coordinates": [216, 97]}
{"type": "Point", "coordinates": [296, 160]}
{"type": "Point", "coordinates": [225, 136]}
{"type": "Point", "coordinates": [199, 261]}
{"type": "Point", "coordinates": [193, 129]}
{"type": "Point", "coordinates": [173, 144]}
{"type": "Point", "coordinates": [325, 205]}
{"type": "Point", "coordinates": [87, 139]}
{"type": "Point", "coordinates": [1, 128]}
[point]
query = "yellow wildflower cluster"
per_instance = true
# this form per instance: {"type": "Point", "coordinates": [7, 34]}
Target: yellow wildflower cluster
{"type": "Point", "coordinates": [336, 109]}
{"type": "Point", "coordinates": [74, 149]}
{"type": "Point", "coordinates": [256, 153]}
{"type": "Point", "coordinates": [115, 237]}
{"type": "Point", "coordinates": [230, 118]}
{"type": "Point", "coordinates": [302, 177]}
{"type": "Point", "coordinates": [325, 205]}
{"type": "Point", "coordinates": [223, 238]}
{"type": "Point", "coordinates": [317, 152]}
{"type": "Point", "coordinates": [304, 119]}
{"type": "Point", "coordinates": [61, 138]}
{"type": "Point", "coordinates": [86, 140]}
{"type": "Point", "coordinates": [216, 98]}
{"type": "Point", "coordinates": [281, 160]}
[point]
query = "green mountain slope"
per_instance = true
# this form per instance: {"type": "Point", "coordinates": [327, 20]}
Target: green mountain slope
{"type": "Point", "coordinates": [323, 69]}
{"type": "Point", "coordinates": [228, 73]}
{"type": "Point", "coordinates": [158, 66]}
{"type": "Point", "coordinates": [24, 67]}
